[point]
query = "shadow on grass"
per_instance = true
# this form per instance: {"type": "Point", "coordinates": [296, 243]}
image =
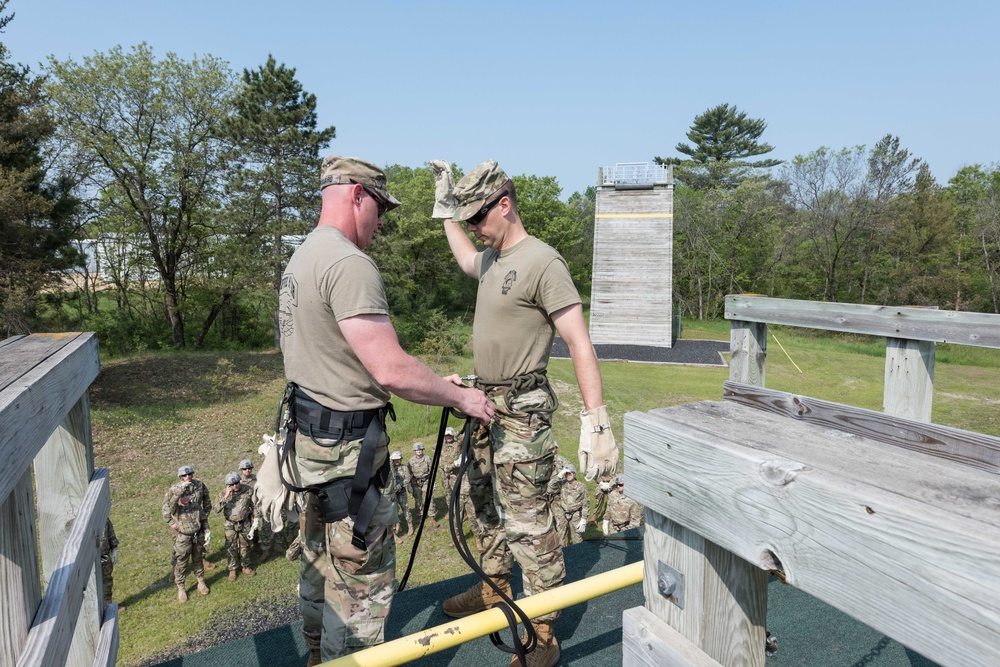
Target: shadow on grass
{"type": "Point", "coordinates": [202, 378]}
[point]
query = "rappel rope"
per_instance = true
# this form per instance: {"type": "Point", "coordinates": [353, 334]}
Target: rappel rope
{"type": "Point", "coordinates": [509, 608]}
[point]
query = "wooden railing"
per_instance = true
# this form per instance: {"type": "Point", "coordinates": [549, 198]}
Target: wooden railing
{"type": "Point", "coordinates": [53, 506]}
{"type": "Point", "coordinates": [884, 516]}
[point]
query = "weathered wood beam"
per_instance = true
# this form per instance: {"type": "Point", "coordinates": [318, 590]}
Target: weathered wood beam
{"type": "Point", "coordinates": [944, 442]}
{"type": "Point", "coordinates": [107, 645]}
{"type": "Point", "coordinates": [649, 642]}
{"type": "Point", "coordinates": [20, 586]}
{"type": "Point", "coordinates": [54, 624]}
{"type": "Point", "coordinates": [939, 326]}
{"type": "Point", "coordinates": [904, 543]}
{"type": "Point", "coordinates": [37, 396]}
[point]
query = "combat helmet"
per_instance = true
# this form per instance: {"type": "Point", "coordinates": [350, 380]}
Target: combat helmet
{"type": "Point", "coordinates": [246, 464]}
{"type": "Point", "coordinates": [232, 478]}
{"type": "Point", "coordinates": [620, 480]}
{"type": "Point", "coordinates": [184, 470]}
{"type": "Point", "coordinates": [396, 456]}
{"type": "Point", "coordinates": [418, 447]}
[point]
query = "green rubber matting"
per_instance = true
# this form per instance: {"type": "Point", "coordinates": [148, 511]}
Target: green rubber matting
{"type": "Point", "coordinates": [810, 633]}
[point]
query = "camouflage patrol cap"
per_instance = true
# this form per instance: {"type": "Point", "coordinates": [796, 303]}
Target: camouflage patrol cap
{"type": "Point", "coordinates": [232, 478]}
{"type": "Point", "coordinates": [246, 464]}
{"type": "Point", "coordinates": [620, 479]}
{"type": "Point", "coordinates": [337, 170]}
{"type": "Point", "coordinates": [418, 447]}
{"type": "Point", "coordinates": [185, 470]}
{"type": "Point", "coordinates": [396, 456]}
{"type": "Point", "coordinates": [450, 431]}
{"type": "Point", "coordinates": [476, 187]}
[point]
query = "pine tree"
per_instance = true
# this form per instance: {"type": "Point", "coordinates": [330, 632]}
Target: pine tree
{"type": "Point", "coordinates": [723, 137]}
{"type": "Point", "coordinates": [35, 213]}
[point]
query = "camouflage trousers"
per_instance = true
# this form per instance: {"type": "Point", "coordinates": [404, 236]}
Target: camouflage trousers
{"type": "Point", "coordinates": [402, 511]}
{"type": "Point", "coordinates": [238, 545]}
{"type": "Point", "coordinates": [419, 488]}
{"type": "Point", "coordinates": [344, 592]}
{"type": "Point", "coordinates": [186, 546]}
{"type": "Point", "coordinates": [566, 523]}
{"type": "Point", "coordinates": [107, 577]}
{"type": "Point", "coordinates": [466, 510]}
{"type": "Point", "coordinates": [513, 462]}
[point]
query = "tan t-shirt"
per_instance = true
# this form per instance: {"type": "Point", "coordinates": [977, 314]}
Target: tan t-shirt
{"type": "Point", "coordinates": [327, 280]}
{"type": "Point", "coordinates": [519, 289]}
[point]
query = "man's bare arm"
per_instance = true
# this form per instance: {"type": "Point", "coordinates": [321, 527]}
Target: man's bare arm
{"type": "Point", "coordinates": [572, 328]}
{"type": "Point", "coordinates": [374, 340]}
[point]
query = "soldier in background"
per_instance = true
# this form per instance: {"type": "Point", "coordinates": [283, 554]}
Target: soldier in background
{"type": "Point", "coordinates": [109, 556]}
{"type": "Point", "coordinates": [242, 521]}
{"type": "Point", "coordinates": [402, 476]}
{"type": "Point", "coordinates": [574, 506]}
{"type": "Point", "coordinates": [623, 512]}
{"type": "Point", "coordinates": [185, 509]}
{"type": "Point", "coordinates": [420, 473]}
{"type": "Point", "coordinates": [451, 450]}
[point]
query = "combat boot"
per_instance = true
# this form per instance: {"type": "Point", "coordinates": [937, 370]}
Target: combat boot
{"type": "Point", "coordinates": [546, 653]}
{"type": "Point", "coordinates": [232, 575]}
{"type": "Point", "coordinates": [247, 571]}
{"type": "Point", "coordinates": [202, 586]}
{"type": "Point", "coordinates": [207, 564]}
{"type": "Point", "coordinates": [314, 658]}
{"type": "Point", "coordinates": [182, 595]}
{"type": "Point", "coordinates": [476, 599]}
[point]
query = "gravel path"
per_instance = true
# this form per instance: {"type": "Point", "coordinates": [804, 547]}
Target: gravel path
{"type": "Point", "coordinates": [697, 352]}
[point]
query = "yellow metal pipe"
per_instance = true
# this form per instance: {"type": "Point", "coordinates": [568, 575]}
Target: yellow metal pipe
{"type": "Point", "coordinates": [403, 650]}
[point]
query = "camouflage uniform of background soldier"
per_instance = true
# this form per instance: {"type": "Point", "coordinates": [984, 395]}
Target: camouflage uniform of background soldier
{"type": "Point", "coordinates": [623, 512]}
{"type": "Point", "coordinates": [185, 509]}
{"type": "Point", "coordinates": [420, 474]}
{"type": "Point", "coordinates": [451, 449]}
{"type": "Point", "coordinates": [525, 294]}
{"type": "Point", "coordinates": [574, 506]}
{"type": "Point", "coordinates": [402, 476]}
{"type": "Point", "coordinates": [242, 519]}
{"type": "Point", "coordinates": [109, 556]}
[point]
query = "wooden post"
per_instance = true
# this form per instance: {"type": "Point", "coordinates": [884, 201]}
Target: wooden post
{"type": "Point", "coordinates": [65, 462]}
{"type": "Point", "coordinates": [748, 352]}
{"type": "Point", "coordinates": [909, 378]}
{"type": "Point", "coordinates": [22, 590]}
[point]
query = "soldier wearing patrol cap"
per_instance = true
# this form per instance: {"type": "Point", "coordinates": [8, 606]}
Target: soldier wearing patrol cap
{"type": "Point", "coordinates": [525, 296]}
{"type": "Point", "coordinates": [343, 361]}
{"type": "Point", "coordinates": [185, 509]}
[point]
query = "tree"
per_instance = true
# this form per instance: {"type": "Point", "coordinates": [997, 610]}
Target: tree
{"type": "Point", "coordinates": [36, 224]}
{"type": "Point", "coordinates": [273, 187]}
{"type": "Point", "coordinates": [723, 137]}
{"type": "Point", "coordinates": [976, 193]}
{"type": "Point", "coordinates": [147, 133]}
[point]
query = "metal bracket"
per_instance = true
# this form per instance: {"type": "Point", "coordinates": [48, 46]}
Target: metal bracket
{"type": "Point", "coordinates": [670, 583]}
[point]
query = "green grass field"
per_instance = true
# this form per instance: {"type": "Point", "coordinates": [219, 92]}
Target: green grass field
{"type": "Point", "coordinates": [154, 412]}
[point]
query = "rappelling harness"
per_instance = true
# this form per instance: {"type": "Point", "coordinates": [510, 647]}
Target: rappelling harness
{"type": "Point", "coordinates": [356, 496]}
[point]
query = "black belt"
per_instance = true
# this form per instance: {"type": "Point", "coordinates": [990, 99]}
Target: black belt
{"type": "Point", "coordinates": [318, 421]}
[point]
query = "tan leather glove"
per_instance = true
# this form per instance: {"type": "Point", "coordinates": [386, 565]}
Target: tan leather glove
{"type": "Point", "coordinates": [598, 449]}
{"type": "Point", "coordinates": [444, 186]}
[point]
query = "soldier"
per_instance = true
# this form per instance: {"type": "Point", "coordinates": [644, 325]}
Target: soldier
{"type": "Point", "coordinates": [604, 488]}
{"type": "Point", "coordinates": [242, 521]}
{"type": "Point", "coordinates": [525, 295]}
{"type": "Point", "coordinates": [420, 473]}
{"type": "Point", "coordinates": [186, 509]}
{"type": "Point", "coordinates": [574, 506]}
{"type": "Point", "coordinates": [451, 449]}
{"type": "Point", "coordinates": [623, 512]}
{"type": "Point", "coordinates": [109, 556]}
{"type": "Point", "coordinates": [402, 477]}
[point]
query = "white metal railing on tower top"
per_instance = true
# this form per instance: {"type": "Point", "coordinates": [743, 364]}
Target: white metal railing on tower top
{"type": "Point", "coordinates": [636, 173]}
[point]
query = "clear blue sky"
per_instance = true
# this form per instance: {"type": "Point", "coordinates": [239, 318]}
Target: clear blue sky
{"type": "Point", "coordinates": [562, 88]}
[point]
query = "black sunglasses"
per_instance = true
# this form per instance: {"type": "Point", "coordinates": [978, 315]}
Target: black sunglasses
{"type": "Point", "coordinates": [484, 211]}
{"type": "Point", "coordinates": [383, 205]}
